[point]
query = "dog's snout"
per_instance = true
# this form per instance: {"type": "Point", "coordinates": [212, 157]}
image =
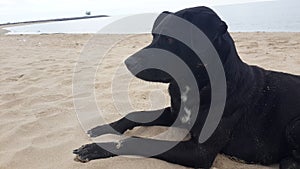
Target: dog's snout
{"type": "Point", "coordinates": [127, 62]}
{"type": "Point", "coordinates": [130, 62]}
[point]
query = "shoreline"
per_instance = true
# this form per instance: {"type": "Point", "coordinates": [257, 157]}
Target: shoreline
{"type": "Point", "coordinates": [3, 31]}
{"type": "Point", "coordinates": [24, 23]}
{"type": "Point", "coordinates": [53, 20]}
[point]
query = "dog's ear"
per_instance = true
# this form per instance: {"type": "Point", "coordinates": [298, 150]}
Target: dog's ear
{"type": "Point", "coordinates": [222, 28]}
{"type": "Point", "coordinates": [222, 45]}
{"type": "Point", "coordinates": [160, 18]}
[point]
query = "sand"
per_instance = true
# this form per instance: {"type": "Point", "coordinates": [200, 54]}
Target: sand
{"type": "Point", "coordinates": [38, 123]}
{"type": "Point", "coordinates": [3, 31]}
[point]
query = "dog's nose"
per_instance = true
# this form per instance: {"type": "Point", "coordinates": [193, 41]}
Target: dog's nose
{"type": "Point", "coordinates": [134, 59]}
{"type": "Point", "coordinates": [131, 62]}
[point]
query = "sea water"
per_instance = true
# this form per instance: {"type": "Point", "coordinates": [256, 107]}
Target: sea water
{"type": "Point", "coordinates": [269, 16]}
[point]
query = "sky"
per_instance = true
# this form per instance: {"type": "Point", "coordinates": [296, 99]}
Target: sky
{"type": "Point", "coordinates": [24, 10]}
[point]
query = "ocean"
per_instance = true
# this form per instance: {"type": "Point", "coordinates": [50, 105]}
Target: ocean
{"type": "Point", "coordinates": [269, 16]}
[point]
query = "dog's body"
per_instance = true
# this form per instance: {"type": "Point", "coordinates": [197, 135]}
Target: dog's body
{"type": "Point", "coordinates": [260, 122]}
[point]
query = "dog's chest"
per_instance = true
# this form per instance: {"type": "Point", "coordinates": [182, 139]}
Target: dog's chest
{"type": "Point", "coordinates": [182, 100]}
{"type": "Point", "coordinates": [187, 112]}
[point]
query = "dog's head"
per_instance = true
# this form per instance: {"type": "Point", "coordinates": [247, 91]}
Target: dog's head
{"type": "Point", "coordinates": [204, 19]}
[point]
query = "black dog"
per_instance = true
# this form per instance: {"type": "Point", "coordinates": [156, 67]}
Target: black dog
{"type": "Point", "coordinates": [260, 122]}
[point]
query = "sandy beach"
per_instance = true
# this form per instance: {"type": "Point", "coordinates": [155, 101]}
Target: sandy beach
{"type": "Point", "coordinates": [38, 123]}
{"type": "Point", "coordinates": [3, 31]}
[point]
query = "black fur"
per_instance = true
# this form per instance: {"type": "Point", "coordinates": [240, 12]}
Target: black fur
{"type": "Point", "coordinates": [261, 120]}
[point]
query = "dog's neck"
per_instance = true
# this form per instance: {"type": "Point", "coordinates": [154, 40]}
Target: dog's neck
{"type": "Point", "coordinates": [241, 78]}
{"type": "Point", "coordinates": [237, 75]}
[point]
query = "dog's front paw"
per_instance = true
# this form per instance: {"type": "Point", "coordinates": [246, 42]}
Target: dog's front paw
{"type": "Point", "coordinates": [92, 151]}
{"type": "Point", "coordinates": [101, 130]}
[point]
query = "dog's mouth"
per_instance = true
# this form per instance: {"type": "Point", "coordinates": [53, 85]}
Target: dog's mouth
{"type": "Point", "coordinates": [154, 75]}
{"type": "Point", "coordinates": [136, 64]}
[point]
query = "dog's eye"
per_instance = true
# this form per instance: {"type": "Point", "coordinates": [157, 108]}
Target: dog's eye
{"type": "Point", "coordinates": [168, 40]}
{"type": "Point", "coordinates": [162, 39]}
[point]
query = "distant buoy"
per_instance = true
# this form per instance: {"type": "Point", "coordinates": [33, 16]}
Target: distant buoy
{"type": "Point", "coordinates": [88, 12]}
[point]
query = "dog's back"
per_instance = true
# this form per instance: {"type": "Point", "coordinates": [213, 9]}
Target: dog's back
{"type": "Point", "coordinates": [262, 134]}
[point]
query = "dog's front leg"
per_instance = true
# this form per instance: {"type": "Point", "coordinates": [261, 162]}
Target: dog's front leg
{"type": "Point", "coordinates": [162, 117]}
{"type": "Point", "coordinates": [188, 153]}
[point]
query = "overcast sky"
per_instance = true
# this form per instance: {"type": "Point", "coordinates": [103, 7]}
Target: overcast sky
{"type": "Point", "coordinates": [21, 10]}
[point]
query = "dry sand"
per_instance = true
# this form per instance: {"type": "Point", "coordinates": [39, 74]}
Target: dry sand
{"type": "Point", "coordinates": [38, 124]}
